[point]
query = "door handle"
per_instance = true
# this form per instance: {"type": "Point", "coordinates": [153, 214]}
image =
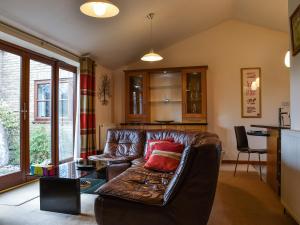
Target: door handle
{"type": "Point", "coordinates": [24, 111]}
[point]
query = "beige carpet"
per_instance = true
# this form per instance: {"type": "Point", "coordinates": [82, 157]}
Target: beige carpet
{"type": "Point", "coordinates": [19, 196]}
{"type": "Point", "coordinates": [241, 200]}
{"type": "Point", "coordinates": [245, 200]}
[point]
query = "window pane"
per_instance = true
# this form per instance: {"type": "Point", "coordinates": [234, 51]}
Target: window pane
{"type": "Point", "coordinates": [44, 109]}
{"type": "Point", "coordinates": [10, 73]}
{"type": "Point", "coordinates": [63, 108]}
{"type": "Point", "coordinates": [63, 90]}
{"type": "Point", "coordinates": [66, 112]}
{"type": "Point", "coordinates": [40, 130]}
{"type": "Point", "coordinates": [44, 92]}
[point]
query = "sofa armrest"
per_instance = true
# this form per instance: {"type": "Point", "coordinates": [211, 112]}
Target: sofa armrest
{"type": "Point", "coordinates": [114, 170]}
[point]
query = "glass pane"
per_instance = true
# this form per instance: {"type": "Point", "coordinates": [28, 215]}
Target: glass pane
{"type": "Point", "coordinates": [194, 102]}
{"type": "Point", "coordinates": [44, 92]}
{"type": "Point", "coordinates": [136, 94]}
{"type": "Point", "coordinates": [40, 112]}
{"type": "Point", "coordinates": [10, 73]}
{"type": "Point", "coordinates": [44, 109]}
{"type": "Point", "coordinates": [66, 113]}
{"type": "Point", "coordinates": [63, 108]}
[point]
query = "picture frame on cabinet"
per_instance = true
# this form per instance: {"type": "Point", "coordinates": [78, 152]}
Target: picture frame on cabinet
{"type": "Point", "coordinates": [251, 92]}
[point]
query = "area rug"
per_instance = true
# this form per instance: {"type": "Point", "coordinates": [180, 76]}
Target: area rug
{"type": "Point", "coordinates": [21, 195]}
{"type": "Point", "coordinates": [95, 184]}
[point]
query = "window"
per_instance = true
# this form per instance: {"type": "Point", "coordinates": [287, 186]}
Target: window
{"type": "Point", "coordinates": [43, 99]}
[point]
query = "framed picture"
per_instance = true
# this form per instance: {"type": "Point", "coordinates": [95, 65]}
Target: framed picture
{"type": "Point", "coordinates": [295, 31]}
{"type": "Point", "coordinates": [251, 92]}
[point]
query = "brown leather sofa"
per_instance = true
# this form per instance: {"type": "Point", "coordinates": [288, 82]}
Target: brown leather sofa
{"type": "Point", "coordinates": [139, 196]}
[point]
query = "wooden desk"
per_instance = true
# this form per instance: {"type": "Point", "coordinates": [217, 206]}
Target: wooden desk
{"type": "Point", "coordinates": [273, 156]}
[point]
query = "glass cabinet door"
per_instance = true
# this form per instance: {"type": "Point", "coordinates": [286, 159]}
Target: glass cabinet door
{"type": "Point", "coordinates": [137, 97]}
{"type": "Point", "coordinates": [194, 93]}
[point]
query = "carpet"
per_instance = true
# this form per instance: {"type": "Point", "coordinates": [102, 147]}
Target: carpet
{"type": "Point", "coordinates": [240, 200]}
{"type": "Point", "coordinates": [19, 196]}
{"type": "Point", "coordinates": [95, 184]}
{"type": "Point", "coordinates": [245, 200]}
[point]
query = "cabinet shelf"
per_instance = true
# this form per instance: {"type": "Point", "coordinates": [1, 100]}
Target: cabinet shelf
{"type": "Point", "coordinates": [166, 101]}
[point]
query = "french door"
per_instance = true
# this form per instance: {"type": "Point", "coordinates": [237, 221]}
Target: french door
{"type": "Point", "coordinates": [37, 111]}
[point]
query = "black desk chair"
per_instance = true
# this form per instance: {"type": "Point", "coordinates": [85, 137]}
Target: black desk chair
{"type": "Point", "coordinates": [243, 147]}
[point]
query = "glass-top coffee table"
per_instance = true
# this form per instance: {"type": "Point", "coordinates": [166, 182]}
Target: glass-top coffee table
{"type": "Point", "coordinates": [61, 192]}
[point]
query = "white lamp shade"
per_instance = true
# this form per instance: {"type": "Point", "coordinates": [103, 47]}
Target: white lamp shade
{"type": "Point", "coordinates": [99, 8]}
{"type": "Point", "coordinates": [151, 57]}
{"type": "Point", "coordinates": [287, 59]}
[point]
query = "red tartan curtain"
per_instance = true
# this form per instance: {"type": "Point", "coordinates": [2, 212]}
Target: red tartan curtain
{"type": "Point", "coordinates": [87, 108]}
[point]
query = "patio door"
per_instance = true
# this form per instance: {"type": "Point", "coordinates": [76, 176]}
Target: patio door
{"type": "Point", "coordinates": [12, 117]}
{"type": "Point", "coordinates": [37, 111]}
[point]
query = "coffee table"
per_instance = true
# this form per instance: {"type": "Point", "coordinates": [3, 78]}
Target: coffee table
{"type": "Point", "coordinates": [61, 193]}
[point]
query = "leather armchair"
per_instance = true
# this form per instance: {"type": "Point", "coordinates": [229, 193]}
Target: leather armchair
{"type": "Point", "coordinates": [122, 146]}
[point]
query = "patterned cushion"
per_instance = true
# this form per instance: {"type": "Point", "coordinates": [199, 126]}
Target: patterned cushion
{"type": "Point", "coordinates": [165, 156]}
{"type": "Point", "coordinates": [151, 143]}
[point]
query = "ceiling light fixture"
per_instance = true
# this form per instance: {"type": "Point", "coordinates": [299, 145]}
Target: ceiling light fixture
{"type": "Point", "coordinates": [99, 8]}
{"type": "Point", "coordinates": [151, 56]}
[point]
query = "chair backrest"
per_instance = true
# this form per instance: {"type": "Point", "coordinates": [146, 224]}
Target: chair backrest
{"type": "Point", "coordinates": [125, 142]}
{"type": "Point", "coordinates": [241, 137]}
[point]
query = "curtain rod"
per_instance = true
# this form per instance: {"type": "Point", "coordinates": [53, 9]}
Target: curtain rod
{"type": "Point", "coordinates": [8, 29]}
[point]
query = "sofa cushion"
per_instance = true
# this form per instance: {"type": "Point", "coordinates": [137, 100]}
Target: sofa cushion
{"type": "Point", "coordinates": [165, 157]}
{"type": "Point", "coordinates": [151, 143]}
{"type": "Point", "coordinates": [124, 143]}
{"type": "Point", "coordinates": [138, 184]}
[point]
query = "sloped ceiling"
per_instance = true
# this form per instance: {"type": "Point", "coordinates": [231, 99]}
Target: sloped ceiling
{"type": "Point", "coordinates": [120, 40]}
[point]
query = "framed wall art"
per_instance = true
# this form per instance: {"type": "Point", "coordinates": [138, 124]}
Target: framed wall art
{"type": "Point", "coordinates": [251, 92]}
{"type": "Point", "coordinates": [295, 31]}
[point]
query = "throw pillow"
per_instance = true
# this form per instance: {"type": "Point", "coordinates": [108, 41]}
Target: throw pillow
{"type": "Point", "coordinates": [165, 157]}
{"type": "Point", "coordinates": [151, 143]}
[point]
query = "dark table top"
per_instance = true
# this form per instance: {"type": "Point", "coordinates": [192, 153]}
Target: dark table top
{"type": "Point", "coordinates": [70, 170]}
{"type": "Point", "coordinates": [271, 127]}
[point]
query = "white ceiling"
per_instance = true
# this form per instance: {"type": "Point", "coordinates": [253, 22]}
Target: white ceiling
{"type": "Point", "coordinates": [123, 39]}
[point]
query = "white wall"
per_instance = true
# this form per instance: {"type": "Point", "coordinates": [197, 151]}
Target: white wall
{"type": "Point", "coordinates": [225, 49]}
{"type": "Point", "coordinates": [295, 79]}
{"type": "Point", "coordinates": [104, 113]}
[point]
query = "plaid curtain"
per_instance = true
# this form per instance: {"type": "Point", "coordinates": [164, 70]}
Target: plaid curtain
{"type": "Point", "coordinates": [87, 108]}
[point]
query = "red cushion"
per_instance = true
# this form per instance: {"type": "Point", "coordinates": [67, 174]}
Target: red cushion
{"type": "Point", "coordinates": [151, 143]}
{"type": "Point", "coordinates": [165, 157]}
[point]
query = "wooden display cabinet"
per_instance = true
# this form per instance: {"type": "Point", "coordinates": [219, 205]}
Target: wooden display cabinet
{"type": "Point", "coordinates": [177, 94]}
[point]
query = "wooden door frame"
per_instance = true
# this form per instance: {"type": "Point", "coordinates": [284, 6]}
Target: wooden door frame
{"type": "Point", "coordinates": [17, 177]}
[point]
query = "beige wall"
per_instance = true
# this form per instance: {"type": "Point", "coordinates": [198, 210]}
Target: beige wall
{"type": "Point", "coordinates": [104, 113]}
{"type": "Point", "coordinates": [225, 49]}
{"type": "Point", "coordinates": [295, 79]}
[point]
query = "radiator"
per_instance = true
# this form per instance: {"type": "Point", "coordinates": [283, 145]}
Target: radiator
{"type": "Point", "coordinates": [290, 172]}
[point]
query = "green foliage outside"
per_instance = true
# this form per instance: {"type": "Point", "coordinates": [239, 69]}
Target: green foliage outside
{"type": "Point", "coordinates": [9, 120]}
{"type": "Point", "coordinates": [40, 144]}
{"type": "Point", "coordinates": [40, 141]}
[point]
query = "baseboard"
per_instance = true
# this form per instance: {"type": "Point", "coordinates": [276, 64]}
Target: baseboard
{"type": "Point", "coordinates": [227, 161]}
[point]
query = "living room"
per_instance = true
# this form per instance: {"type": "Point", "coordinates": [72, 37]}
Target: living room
{"type": "Point", "coordinates": [87, 86]}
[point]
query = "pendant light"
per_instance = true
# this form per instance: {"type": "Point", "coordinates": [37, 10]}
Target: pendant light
{"type": "Point", "coordinates": [99, 8]}
{"type": "Point", "coordinates": [151, 56]}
